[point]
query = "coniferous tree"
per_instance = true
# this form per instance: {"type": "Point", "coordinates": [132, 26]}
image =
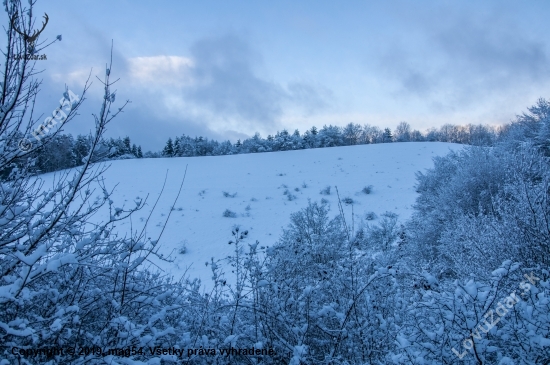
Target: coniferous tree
{"type": "Point", "coordinates": [168, 149]}
{"type": "Point", "coordinates": [177, 147]}
{"type": "Point", "coordinates": [57, 154]}
{"type": "Point", "coordinates": [81, 148]}
{"type": "Point", "coordinates": [330, 136]}
{"type": "Point", "coordinates": [387, 136]}
{"type": "Point", "coordinates": [126, 142]}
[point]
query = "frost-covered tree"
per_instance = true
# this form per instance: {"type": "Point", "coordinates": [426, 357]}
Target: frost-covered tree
{"type": "Point", "coordinates": [57, 154]}
{"type": "Point", "coordinates": [296, 141]}
{"type": "Point", "coordinates": [224, 148]}
{"type": "Point", "coordinates": [371, 134]}
{"type": "Point", "coordinates": [387, 136]}
{"type": "Point", "coordinates": [402, 132]}
{"type": "Point", "coordinates": [533, 125]}
{"type": "Point", "coordinates": [310, 139]}
{"type": "Point", "coordinates": [479, 135]}
{"type": "Point", "coordinates": [282, 141]}
{"type": "Point", "coordinates": [330, 136]}
{"type": "Point", "coordinates": [320, 300]}
{"type": "Point", "coordinates": [66, 278]}
{"type": "Point", "coordinates": [417, 136]}
{"type": "Point", "coordinates": [127, 145]}
{"type": "Point", "coordinates": [352, 134]}
{"type": "Point", "coordinates": [82, 146]}
{"type": "Point", "coordinates": [168, 150]}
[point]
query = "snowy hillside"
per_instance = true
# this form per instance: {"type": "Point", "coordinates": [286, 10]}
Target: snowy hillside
{"type": "Point", "coordinates": [262, 190]}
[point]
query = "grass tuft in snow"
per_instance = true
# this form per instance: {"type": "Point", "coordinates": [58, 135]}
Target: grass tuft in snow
{"type": "Point", "coordinates": [348, 200]}
{"type": "Point", "coordinates": [183, 247]}
{"type": "Point", "coordinates": [370, 216]}
{"type": "Point", "coordinates": [227, 195]}
{"type": "Point", "coordinates": [367, 189]}
{"type": "Point", "coordinates": [325, 191]}
{"type": "Point", "coordinates": [229, 214]}
{"type": "Point", "coordinates": [289, 195]}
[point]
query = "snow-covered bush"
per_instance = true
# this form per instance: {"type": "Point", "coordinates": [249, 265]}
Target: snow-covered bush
{"type": "Point", "coordinates": [384, 234]}
{"type": "Point", "coordinates": [389, 214]}
{"type": "Point", "coordinates": [461, 184]}
{"type": "Point", "coordinates": [478, 322]}
{"type": "Point", "coordinates": [322, 298]}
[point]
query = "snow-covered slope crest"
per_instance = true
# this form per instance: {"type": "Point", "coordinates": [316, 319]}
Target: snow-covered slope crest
{"type": "Point", "coordinates": [258, 192]}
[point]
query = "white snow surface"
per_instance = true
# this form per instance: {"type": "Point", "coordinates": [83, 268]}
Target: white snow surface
{"type": "Point", "coordinates": [258, 181]}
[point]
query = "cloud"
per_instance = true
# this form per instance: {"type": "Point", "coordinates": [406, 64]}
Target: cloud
{"type": "Point", "coordinates": [160, 71]}
{"type": "Point", "coordinates": [462, 59]}
{"type": "Point", "coordinates": [75, 76]}
{"type": "Point", "coordinates": [215, 91]}
{"type": "Point", "coordinates": [310, 97]}
{"type": "Point", "coordinates": [218, 86]}
{"type": "Point", "coordinates": [226, 84]}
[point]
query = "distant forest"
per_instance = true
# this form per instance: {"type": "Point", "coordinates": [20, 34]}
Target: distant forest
{"type": "Point", "coordinates": [63, 151]}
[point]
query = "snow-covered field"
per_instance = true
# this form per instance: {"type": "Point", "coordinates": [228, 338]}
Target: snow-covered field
{"type": "Point", "coordinates": [255, 186]}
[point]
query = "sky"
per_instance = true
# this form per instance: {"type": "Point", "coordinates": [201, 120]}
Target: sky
{"type": "Point", "coordinates": [227, 69]}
